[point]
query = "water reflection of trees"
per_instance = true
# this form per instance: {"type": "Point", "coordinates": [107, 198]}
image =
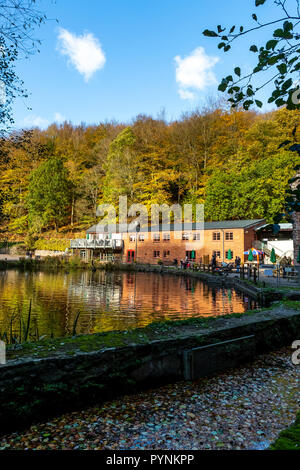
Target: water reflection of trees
{"type": "Point", "coordinates": [109, 301]}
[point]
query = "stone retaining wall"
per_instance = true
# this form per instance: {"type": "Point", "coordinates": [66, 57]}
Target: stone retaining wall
{"type": "Point", "coordinates": [37, 388]}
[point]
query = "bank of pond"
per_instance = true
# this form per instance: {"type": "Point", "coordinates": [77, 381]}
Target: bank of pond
{"type": "Point", "coordinates": [37, 304]}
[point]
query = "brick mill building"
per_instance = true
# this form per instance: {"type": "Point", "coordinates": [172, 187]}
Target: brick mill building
{"type": "Point", "coordinates": [296, 235]}
{"type": "Point", "coordinates": [177, 243]}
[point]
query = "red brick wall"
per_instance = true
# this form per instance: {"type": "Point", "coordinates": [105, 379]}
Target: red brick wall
{"type": "Point", "coordinates": [242, 241]}
{"type": "Point", "coordinates": [296, 235]}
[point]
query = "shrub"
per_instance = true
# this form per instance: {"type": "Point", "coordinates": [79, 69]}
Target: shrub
{"type": "Point", "coordinates": [54, 244]}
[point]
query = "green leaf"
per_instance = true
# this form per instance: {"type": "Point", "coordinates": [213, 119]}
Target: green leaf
{"type": "Point", "coordinates": [271, 44]}
{"type": "Point", "coordinates": [282, 68]}
{"type": "Point", "coordinates": [222, 86]}
{"type": "Point", "coordinates": [288, 26]}
{"type": "Point", "coordinates": [279, 102]}
{"type": "Point", "coordinates": [272, 60]}
{"type": "Point", "coordinates": [257, 69]}
{"type": "Point", "coordinates": [254, 17]}
{"type": "Point", "coordinates": [247, 104]}
{"type": "Point", "coordinates": [259, 2]}
{"type": "Point", "coordinates": [237, 71]}
{"type": "Point", "coordinates": [258, 103]}
{"type": "Point", "coordinates": [287, 84]}
{"type": "Point", "coordinates": [253, 48]}
{"type": "Point", "coordinates": [210, 34]}
{"type": "Point", "coordinates": [278, 33]}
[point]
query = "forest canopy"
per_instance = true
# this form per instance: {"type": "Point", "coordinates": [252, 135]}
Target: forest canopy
{"type": "Point", "coordinates": [228, 159]}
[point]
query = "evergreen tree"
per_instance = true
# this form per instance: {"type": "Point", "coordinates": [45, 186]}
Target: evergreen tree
{"type": "Point", "coordinates": [48, 195]}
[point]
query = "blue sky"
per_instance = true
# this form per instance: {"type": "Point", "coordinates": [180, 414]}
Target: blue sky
{"type": "Point", "coordinates": [115, 59]}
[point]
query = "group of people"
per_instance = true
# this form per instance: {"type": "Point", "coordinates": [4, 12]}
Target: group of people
{"type": "Point", "coordinates": [237, 262]}
{"type": "Point", "coordinates": [185, 263]}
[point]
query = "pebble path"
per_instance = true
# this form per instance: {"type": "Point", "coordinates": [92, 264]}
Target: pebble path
{"type": "Point", "coordinates": [241, 409]}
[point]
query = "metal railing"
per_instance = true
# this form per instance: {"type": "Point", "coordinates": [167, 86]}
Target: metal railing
{"type": "Point", "coordinates": [82, 243]}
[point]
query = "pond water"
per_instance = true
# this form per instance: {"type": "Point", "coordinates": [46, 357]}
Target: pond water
{"type": "Point", "coordinates": [105, 301]}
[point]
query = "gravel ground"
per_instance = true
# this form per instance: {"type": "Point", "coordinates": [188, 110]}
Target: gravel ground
{"type": "Point", "coordinates": [241, 409]}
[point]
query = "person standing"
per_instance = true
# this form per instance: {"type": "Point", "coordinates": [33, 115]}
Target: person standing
{"type": "Point", "coordinates": [214, 262]}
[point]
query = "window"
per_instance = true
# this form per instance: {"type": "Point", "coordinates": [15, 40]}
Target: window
{"type": "Point", "coordinates": [156, 254]}
{"type": "Point", "coordinates": [226, 254]}
{"type": "Point", "coordinates": [166, 237]}
{"type": "Point", "coordinates": [229, 236]}
{"type": "Point", "coordinates": [216, 236]}
{"type": "Point", "coordinates": [185, 236]}
{"type": "Point", "coordinates": [141, 238]}
{"type": "Point", "coordinates": [156, 237]}
{"type": "Point", "coordinates": [191, 254]}
{"type": "Point", "coordinates": [132, 238]}
{"type": "Point", "coordinates": [217, 253]}
{"type": "Point", "coordinates": [166, 253]}
{"type": "Point", "coordinates": [196, 236]}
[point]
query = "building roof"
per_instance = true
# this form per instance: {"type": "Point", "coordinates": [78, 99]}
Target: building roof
{"type": "Point", "coordinates": [226, 224]}
{"type": "Point", "coordinates": [270, 226]}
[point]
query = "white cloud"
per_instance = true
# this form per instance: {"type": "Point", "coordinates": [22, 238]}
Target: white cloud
{"type": "Point", "coordinates": [35, 121]}
{"type": "Point", "coordinates": [195, 72]}
{"type": "Point", "coordinates": [85, 52]}
{"type": "Point", "coordinates": [32, 120]}
{"type": "Point", "coordinates": [186, 94]}
{"type": "Point", "coordinates": [59, 118]}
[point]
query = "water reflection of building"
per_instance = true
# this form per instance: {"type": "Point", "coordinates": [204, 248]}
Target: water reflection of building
{"type": "Point", "coordinates": [177, 295]}
{"type": "Point", "coordinates": [96, 288]}
{"type": "Point", "coordinates": [109, 301]}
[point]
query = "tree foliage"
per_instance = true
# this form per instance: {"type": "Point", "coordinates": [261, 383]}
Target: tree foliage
{"type": "Point", "coordinates": [277, 60]}
{"type": "Point", "coordinates": [278, 63]}
{"type": "Point", "coordinates": [228, 159]}
{"type": "Point", "coordinates": [48, 194]}
{"type": "Point", "coordinates": [18, 20]}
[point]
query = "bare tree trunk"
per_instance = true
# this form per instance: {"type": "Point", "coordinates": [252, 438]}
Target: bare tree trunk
{"type": "Point", "coordinates": [72, 210]}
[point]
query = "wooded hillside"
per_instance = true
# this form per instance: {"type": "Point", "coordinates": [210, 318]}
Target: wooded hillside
{"type": "Point", "coordinates": [55, 179]}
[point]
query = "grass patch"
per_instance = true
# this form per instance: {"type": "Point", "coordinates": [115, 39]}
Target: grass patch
{"type": "Point", "coordinates": [159, 330]}
{"type": "Point", "coordinates": [291, 304]}
{"type": "Point", "coordinates": [289, 439]}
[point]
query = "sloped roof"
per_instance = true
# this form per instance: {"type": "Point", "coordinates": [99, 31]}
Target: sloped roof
{"type": "Point", "coordinates": [226, 224]}
{"type": "Point", "coordinates": [285, 226]}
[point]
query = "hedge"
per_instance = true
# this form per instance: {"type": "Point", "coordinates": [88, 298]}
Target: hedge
{"type": "Point", "coordinates": [54, 244]}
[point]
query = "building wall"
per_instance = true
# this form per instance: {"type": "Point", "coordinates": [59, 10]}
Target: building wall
{"type": "Point", "coordinates": [296, 236]}
{"type": "Point", "coordinates": [177, 248]}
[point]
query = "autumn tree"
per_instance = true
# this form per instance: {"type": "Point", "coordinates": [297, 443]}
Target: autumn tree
{"type": "Point", "coordinates": [120, 168]}
{"type": "Point", "coordinates": [49, 194]}
{"type": "Point", "coordinates": [278, 64]}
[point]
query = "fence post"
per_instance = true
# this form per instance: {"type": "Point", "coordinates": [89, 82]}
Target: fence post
{"type": "Point", "coordinates": [243, 272]}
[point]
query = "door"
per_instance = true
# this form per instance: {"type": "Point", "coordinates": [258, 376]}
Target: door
{"type": "Point", "coordinates": [130, 256]}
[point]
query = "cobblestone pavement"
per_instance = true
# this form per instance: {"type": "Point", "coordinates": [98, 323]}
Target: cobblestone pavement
{"type": "Point", "coordinates": [241, 409]}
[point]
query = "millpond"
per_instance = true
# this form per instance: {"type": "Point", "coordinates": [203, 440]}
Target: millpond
{"type": "Point", "coordinates": [45, 304]}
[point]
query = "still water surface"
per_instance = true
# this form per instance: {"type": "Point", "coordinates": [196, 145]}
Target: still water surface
{"type": "Point", "coordinates": [107, 301]}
